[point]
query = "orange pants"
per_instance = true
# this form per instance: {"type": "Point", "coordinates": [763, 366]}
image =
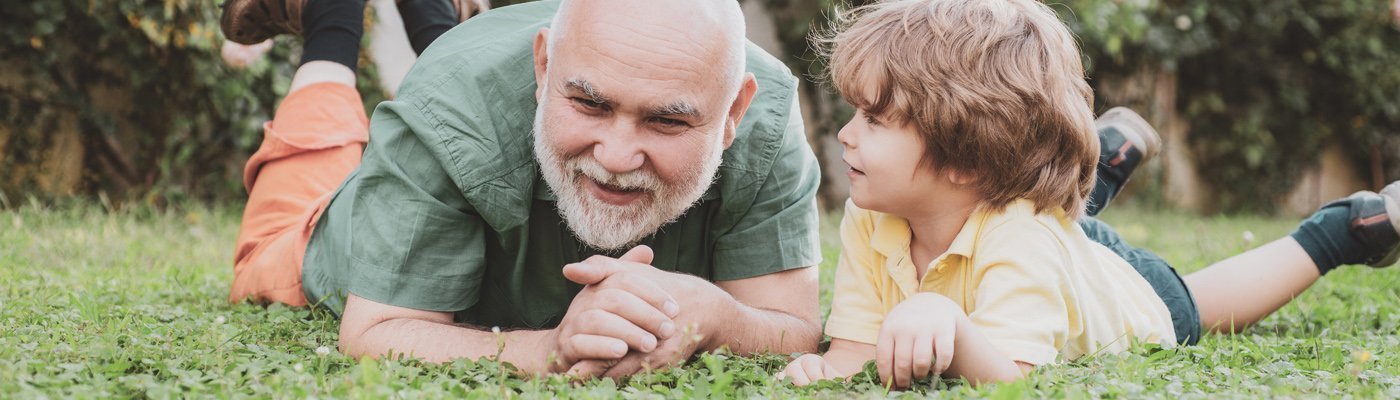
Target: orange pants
{"type": "Point", "coordinates": [308, 149]}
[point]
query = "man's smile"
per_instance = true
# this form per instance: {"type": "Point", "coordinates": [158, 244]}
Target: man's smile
{"type": "Point", "coordinates": [615, 195]}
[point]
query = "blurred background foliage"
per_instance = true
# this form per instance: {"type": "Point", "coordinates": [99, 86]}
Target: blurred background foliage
{"type": "Point", "coordinates": [129, 99]}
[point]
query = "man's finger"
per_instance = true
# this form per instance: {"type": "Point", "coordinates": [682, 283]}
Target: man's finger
{"type": "Point", "coordinates": [584, 346]}
{"type": "Point", "coordinates": [640, 254]}
{"type": "Point", "coordinates": [646, 289]}
{"type": "Point", "coordinates": [588, 273]}
{"type": "Point", "coordinates": [603, 323]}
{"type": "Point", "coordinates": [588, 369]}
{"type": "Point", "coordinates": [627, 366]}
{"type": "Point", "coordinates": [627, 305]}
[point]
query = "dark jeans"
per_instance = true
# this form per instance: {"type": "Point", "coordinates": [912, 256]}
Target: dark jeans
{"type": "Point", "coordinates": [1163, 278]}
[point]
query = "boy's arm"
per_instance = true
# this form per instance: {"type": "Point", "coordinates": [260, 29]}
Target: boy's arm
{"type": "Point", "coordinates": [979, 361]}
{"type": "Point", "coordinates": [848, 357]}
{"type": "Point", "coordinates": [844, 359]}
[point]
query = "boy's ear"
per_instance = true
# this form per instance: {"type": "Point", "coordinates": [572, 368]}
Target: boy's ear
{"type": "Point", "coordinates": [960, 178]}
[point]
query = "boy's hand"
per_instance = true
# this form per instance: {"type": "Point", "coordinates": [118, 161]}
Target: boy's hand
{"type": "Point", "coordinates": [917, 339]}
{"type": "Point", "coordinates": [808, 369]}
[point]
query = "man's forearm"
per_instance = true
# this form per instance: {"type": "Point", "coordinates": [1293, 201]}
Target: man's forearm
{"type": "Point", "coordinates": [436, 342]}
{"type": "Point", "coordinates": [370, 329]}
{"type": "Point", "coordinates": [747, 330]}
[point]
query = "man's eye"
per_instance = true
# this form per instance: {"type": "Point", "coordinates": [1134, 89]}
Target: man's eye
{"type": "Point", "coordinates": [669, 122]}
{"type": "Point", "coordinates": [587, 103]}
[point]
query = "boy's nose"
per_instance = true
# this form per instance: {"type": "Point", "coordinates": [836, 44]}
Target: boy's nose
{"type": "Point", "coordinates": [845, 136]}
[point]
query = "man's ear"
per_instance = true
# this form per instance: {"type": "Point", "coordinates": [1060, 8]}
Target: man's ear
{"type": "Point", "coordinates": [541, 61]}
{"type": "Point", "coordinates": [740, 106]}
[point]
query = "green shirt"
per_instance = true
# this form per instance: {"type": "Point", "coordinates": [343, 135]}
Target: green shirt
{"type": "Point", "coordinates": [447, 211]}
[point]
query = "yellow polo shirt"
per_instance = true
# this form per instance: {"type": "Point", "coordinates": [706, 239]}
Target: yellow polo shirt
{"type": "Point", "coordinates": [1033, 284]}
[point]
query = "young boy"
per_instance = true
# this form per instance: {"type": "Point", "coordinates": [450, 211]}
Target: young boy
{"type": "Point", "coordinates": [965, 250]}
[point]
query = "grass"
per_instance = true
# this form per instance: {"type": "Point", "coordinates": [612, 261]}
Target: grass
{"type": "Point", "coordinates": [97, 303]}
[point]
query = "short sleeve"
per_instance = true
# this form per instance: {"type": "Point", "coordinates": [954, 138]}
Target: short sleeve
{"type": "Point", "coordinates": [857, 311]}
{"type": "Point", "coordinates": [779, 231]}
{"type": "Point", "coordinates": [1019, 303]}
{"type": "Point", "coordinates": [413, 240]}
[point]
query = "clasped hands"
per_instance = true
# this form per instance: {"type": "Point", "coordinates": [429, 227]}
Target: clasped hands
{"type": "Point", "coordinates": [627, 318]}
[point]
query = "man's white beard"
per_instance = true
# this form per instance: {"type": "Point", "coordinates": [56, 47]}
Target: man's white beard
{"type": "Point", "coordinates": [611, 227]}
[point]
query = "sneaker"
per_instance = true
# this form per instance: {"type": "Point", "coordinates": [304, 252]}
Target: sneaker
{"type": "Point", "coordinates": [1375, 222]}
{"type": "Point", "coordinates": [1125, 142]}
{"type": "Point", "coordinates": [253, 21]}
{"type": "Point", "coordinates": [1137, 132]}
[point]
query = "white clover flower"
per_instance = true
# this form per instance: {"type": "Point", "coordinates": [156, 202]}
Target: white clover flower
{"type": "Point", "coordinates": [1183, 22]}
{"type": "Point", "coordinates": [220, 319]}
{"type": "Point", "coordinates": [323, 350]}
{"type": "Point", "coordinates": [1248, 236]}
{"type": "Point", "coordinates": [298, 368]}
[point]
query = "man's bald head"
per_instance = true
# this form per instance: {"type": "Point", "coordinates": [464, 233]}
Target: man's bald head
{"type": "Point", "coordinates": [711, 31]}
{"type": "Point", "coordinates": [638, 99]}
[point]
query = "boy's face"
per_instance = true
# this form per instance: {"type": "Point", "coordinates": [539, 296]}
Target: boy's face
{"type": "Point", "coordinates": [887, 171]}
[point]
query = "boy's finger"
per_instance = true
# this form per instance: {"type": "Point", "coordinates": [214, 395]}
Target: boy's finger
{"type": "Point", "coordinates": [884, 356]}
{"type": "Point", "coordinates": [829, 372]}
{"type": "Point", "coordinates": [923, 355]}
{"type": "Point", "coordinates": [799, 376]}
{"type": "Point", "coordinates": [812, 366]}
{"type": "Point", "coordinates": [942, 353]}
{"type": "Point", "coordinates": [904, 359]}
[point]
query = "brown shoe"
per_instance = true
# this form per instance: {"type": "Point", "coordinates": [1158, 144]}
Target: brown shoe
{"type": "Point", "coordinates": [253, 21]}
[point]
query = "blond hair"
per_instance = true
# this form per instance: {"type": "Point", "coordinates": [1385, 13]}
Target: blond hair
{"type": "Point", "coordinates": [994, 88]}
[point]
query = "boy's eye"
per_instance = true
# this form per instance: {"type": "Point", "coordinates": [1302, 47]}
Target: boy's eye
{"type": "Point", "coordinates": [870, 119]}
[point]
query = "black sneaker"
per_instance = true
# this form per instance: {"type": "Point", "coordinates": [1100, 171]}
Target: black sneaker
{"type": "Point", "coordinates": [1375, 222]}
{"type": "Point", "coordinates": [1135, 130]}
{"type": "Point", "coordinates": [1125, 142]}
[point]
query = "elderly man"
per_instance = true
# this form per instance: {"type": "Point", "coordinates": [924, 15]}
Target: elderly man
{"type": "Point", "coordinates": [614, 183]}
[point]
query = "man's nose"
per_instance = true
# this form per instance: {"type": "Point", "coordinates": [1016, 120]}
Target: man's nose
{"type": "Point", "coordinates": [619, 153]}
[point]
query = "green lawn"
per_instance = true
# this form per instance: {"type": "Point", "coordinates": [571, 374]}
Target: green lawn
{"type": "Point", "coordinates": [131, 304]}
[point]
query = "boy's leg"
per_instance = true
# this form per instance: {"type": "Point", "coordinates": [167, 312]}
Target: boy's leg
{"type": "Point", "coordinates": [308, 149]}
{"type": "Point", "coordinates": [1126, 141]}
{"type": "Point", "coordinates": [1169, 286]}
{"type": "Point", "coordinates": [425, 20]}
{"type": "Point", "coordinates": [1241, 290]}
{"type": "Point", "coordinates": [311, 145]}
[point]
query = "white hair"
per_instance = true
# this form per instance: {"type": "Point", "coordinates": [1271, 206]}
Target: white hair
{"type": "Point", "coordinates": [727, 18]}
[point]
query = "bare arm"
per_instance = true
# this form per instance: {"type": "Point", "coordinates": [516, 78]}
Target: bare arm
{"type": "Point", "coordinates": [979, 361]}
{"type": "Point", "coordinates": [776, 313]}
{"type": "Point", "coordinates": [371, 329]}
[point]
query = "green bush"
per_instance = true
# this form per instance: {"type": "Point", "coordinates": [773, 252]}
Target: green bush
{"type": "Point", "coordinates": [142, 86]}
{"type": "Point", "coordinates": [1263, 84]}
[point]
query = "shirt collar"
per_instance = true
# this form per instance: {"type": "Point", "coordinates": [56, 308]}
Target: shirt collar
{"type": "Point", "coordinates": [892, 235]}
